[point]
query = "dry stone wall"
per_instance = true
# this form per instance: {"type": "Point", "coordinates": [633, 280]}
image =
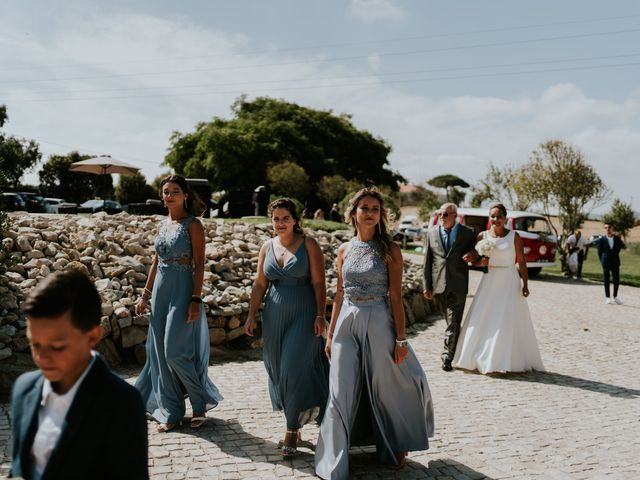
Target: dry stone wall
{"type": "Point", "coordinates": [117, 251]}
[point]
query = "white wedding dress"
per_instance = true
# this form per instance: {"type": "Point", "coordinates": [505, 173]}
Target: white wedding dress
{"type": "Point", "coordinates": [497, 334]}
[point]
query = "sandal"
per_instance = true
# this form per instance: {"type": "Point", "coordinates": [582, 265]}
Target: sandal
{"type": "Point", "coordinates": [166, 427]}
{"type": "Point", "coordinates": [198, 421]}
{"type": "Point", "coordinates": [289, 450]}
{"type": "Point", "coordinates": [401, 458]}
{"type": "Point", "coordinates": [281, 442]}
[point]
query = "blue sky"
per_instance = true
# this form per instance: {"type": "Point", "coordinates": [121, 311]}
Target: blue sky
{"type": "Point", "coordinates": [451, 85]}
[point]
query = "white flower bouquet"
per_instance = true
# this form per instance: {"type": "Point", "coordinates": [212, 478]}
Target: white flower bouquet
{"type": "Point", "coordinates": [485, 247]}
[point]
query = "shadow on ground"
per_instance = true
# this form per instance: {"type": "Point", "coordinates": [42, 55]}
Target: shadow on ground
{"type": "Point", "coordinates": [364, 463]}
{"type": "Point", "coordinates": [553, 378]}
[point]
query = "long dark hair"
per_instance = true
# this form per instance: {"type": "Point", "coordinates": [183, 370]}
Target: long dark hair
{"type": "Point", "coordinates": [195, 206]}
{"type": "Point", "coordinates": [381, 234]}
{"type": "Point", "coordinates": [290, 207]}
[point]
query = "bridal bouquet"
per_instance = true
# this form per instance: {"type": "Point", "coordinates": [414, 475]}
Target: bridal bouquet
{"type": "Point", "coordinates": [484, 247]}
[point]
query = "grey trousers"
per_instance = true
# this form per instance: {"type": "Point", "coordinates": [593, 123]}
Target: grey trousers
{"type": "Point", "coordinates": [451, 305]}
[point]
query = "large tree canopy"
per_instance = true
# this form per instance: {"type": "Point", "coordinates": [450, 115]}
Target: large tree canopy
{"type": "Point", "coordinates": [16, 155]}
{"type": "Point", "coordinates": [238, 153]}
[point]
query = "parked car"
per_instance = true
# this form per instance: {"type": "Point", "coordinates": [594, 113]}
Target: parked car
{"type": "Point", "coordinates": [540, 244]}
{"type": "Point", "coordinates": [99, 205]}
{"type": "Point", "coordinates": [34, 201]}
{"type": "Point", "coordinates": [58, 205]}
{"type": "Point", "coordinates": [410, 228]}
{"type": "Point", "coordinates": [12, 202]}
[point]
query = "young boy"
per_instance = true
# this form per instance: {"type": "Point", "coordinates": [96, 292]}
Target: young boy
{"type": "Point", "coordinates": [73, 418]}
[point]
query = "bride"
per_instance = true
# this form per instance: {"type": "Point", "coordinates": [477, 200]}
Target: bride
{"type": "Point", "coordinates": [497, 334]}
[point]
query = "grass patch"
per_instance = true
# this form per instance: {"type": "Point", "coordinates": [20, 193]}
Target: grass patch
{"type": "Point", "coordinates": [592, 270]}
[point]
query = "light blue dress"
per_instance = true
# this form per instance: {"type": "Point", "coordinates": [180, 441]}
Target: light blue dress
{"type": "Point", "coordinates": [372, 400]}
{"type": "Point", "coordinates": [177, 351]}
{"type": "Point", "coordinates": [294, 356]}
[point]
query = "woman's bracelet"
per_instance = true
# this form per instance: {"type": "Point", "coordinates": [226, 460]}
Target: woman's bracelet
{"type": "Point", "coordinates": [402, 343]}
{"type": "Point", "coordinates": [320, 316]}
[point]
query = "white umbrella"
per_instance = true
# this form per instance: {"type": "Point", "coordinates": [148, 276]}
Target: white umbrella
{"type": "Point", "coordinates": [103, 165]}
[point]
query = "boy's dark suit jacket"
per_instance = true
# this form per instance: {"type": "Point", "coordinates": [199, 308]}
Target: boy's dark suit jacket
{"type": "Point", "coordinates": [104, 435]}
{"type": "Point", "coordinates": [444, 270]}
{"type": "Point", "coordinates": [610, 257]}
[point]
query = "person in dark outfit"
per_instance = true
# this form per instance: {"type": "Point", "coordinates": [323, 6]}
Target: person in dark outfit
{"type": "Point", "coordinates": [73, 418]}
{"type": "Point", "coordinates": [449, 246]}
{"type": "Point", "coordinates": [609, 247]}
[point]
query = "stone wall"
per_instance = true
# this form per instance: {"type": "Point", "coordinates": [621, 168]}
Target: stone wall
{"type": "Point", "coordinates": [116, 251]}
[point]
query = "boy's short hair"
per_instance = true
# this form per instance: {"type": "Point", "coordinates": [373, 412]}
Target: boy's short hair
{"type": "Point", "coordinates": [69, 290]}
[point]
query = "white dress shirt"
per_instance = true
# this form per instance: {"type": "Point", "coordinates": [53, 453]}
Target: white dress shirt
{"type": "Point", "coordinates": [610, 240]}
{"type": "Point", "coordinates": [51, 414]}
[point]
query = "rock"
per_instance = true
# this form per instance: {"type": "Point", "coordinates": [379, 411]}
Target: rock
{"type": "Point", "coordinates": [132, 336]}
{"type": "Point", "coordinates": [235, 333]}
{"type": "Point", "coordinates": [22, 243]}
{"type": "Point", "coordinates": [217, 336]}
{"type": "Point", "coordinates": [14, 277]}
{"type": "Point", "coordinates": [20, 344]}
{"type": "Point", "coordinates": [5, 353]}
{"type": "Point", "coordinates": [102, 284]}
{"type": "Point", "coordinates": [109, 352]}
{"type": "Point", "coordinates": [6, 333]}
{"type": "Point", "coordinates": [75, 265]}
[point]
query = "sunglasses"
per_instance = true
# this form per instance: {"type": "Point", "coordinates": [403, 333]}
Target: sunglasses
{"type": "Point", "coordinates": [446, 214]}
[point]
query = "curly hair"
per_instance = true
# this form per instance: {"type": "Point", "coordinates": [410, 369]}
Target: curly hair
{"type": "Point", "coordinates": [290, 207]}
{"type": "Point", "coordinates": [194, 204]}
{"type": "Point", "coordinates": [381, 236]}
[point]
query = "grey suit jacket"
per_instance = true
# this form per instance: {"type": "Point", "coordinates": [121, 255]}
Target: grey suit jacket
{"type": "Point", "coordinates": [447, 271]}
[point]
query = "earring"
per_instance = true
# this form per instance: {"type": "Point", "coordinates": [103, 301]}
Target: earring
{"type": "Point", "coordinates": [379, 229]}
{"type": "Point", "coordinates": [185, 204]}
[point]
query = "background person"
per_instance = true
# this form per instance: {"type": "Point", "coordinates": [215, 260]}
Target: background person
{"type": "Point", "coordinates": [609, 246]}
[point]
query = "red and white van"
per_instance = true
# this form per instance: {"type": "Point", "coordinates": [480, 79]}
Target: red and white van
{"type": "Point", "coordinates": [540, 244]}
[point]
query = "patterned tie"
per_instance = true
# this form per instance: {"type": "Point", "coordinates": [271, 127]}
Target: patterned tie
{"type": "Point", "coordinates": [447, 240]}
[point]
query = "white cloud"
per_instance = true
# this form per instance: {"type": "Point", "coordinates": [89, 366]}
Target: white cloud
{"type": "Point", "coordinates": [376, 10]}
{"type": "Point", "coordinates": [430, 136]}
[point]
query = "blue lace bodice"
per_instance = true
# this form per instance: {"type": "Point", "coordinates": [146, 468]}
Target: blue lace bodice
{"type": "Point", "coordinates": [173, 244]}
{"type": "Point", "coordinates": [364, 272]}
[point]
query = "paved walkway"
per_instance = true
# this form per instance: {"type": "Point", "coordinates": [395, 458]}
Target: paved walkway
{"type": "Point", "coordinates": [579, 420]}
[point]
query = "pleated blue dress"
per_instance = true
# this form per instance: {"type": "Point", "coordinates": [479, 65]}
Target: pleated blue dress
{"type": "Point", "coordinates": [294, 356]}
{"type": "Point", "coordinates": [372, 400]}
{"type": "Point", "coordinates": [177, 351]}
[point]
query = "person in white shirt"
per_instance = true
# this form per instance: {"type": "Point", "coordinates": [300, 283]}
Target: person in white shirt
{"type": "Point", "coordinates": [73, 418]}
{"type": "Point", "coordinates": [578, 244]}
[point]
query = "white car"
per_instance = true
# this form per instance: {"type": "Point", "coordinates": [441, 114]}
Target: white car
{"type": "Point", "coordinates": [410, 227]}
{"type": "Point", "coordinates": [52, 205]}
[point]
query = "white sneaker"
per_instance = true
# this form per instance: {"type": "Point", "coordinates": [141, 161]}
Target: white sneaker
{"type": "Point", "coordinates": [618, 301]}
{"type": "Point", "coordinates": [608, 301]}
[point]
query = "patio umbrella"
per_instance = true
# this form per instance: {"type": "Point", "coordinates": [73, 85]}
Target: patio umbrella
{"type": "Point", "coordinates": [103, 165]}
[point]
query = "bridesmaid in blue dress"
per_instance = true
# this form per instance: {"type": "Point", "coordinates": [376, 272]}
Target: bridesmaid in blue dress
{"type": "Point", "coordinates": [178, 339]}
{"type": "Point", "coordinates": [291, 271]}
{"type": "Point", "coordinates": [378, 392]}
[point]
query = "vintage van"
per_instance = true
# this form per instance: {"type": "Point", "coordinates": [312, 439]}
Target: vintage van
{"type": "Point", "coordinates": [540, 244]}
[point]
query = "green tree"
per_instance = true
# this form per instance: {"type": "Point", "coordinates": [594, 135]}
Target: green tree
{"type": "Point", "coordinates": [449, 182]}
{"type": "Point", "coordinates": [621, 216]}
{"type": "Point", "coordinates": [134, 189]}
{"type": "Point", "coordinates": [333, 188]}
{"type": "Point", "coordinates": [288, 180]}
{"type": "Point", "coordinates": [236, 154]}
{"type": "Point", "coordinates": [506, 185]}
{"type": "Point", "coordinates": [428, 204]}
{"type": "Point", "coordinates": [558, 177]}
{"type": "Point", "coordinates": [56, 180]}
{"type": "Point", "coordinates": [16, 156]}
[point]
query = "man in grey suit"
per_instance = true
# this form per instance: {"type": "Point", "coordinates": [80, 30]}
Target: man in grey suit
{"type": "Point", "coordinates": [448, 247]}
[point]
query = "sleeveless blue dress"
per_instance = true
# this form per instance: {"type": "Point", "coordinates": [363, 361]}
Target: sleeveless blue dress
{"type": "Point", "coordinates": [177, 351]}
{"type": "Point", "coordinates": [294, 357]}
{"type": "Point", "coordinates": [372, 400]}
